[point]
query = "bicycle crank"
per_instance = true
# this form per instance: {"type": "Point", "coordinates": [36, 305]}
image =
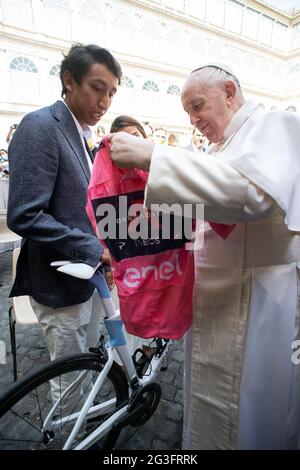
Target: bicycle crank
{"type": "Point", "coordinates": [148, 397]}
{"type": "Point", "coordinates": [141, 407]}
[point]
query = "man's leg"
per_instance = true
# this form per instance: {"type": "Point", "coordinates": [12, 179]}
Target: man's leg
{"type": "Point", "coordinates": [65, 331]}
{"type": "Point", "coordinates": [95, 325]}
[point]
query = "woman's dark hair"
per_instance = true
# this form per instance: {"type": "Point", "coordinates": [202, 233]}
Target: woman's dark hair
{"type": "Point", "coordinates": [80, 58]}
{"type": "Point", "coordinates": [123, 121]}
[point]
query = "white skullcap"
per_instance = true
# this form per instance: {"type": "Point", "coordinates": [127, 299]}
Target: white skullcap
{"type": "Point", "coordinates": [217, 65]}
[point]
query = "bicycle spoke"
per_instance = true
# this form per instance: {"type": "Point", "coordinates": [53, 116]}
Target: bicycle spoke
{"type": "Point", "coordinates": [37, 398]}
{"type": "Point", "coordinates": [26, 421]}
{"type": "Point", "coordinates": [75, 406]}
{"type": "Point", "coordinates": [29, 419]}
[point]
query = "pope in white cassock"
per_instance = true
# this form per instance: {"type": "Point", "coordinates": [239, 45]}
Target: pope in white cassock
{"type": "Point", "coordinates": [244, 388]}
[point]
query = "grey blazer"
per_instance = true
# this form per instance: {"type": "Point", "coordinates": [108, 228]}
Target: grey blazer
{"type": "Point", "coordinates": [49, 177]}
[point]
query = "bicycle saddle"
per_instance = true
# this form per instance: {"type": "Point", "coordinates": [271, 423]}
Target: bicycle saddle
{"type": "Point", "coordinates": [80, 270]}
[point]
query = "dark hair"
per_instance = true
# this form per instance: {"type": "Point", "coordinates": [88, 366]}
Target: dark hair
{"type": "Point", "coordinates": [123, 121]}
{"type": "Point", "coordinates": [80, 58]}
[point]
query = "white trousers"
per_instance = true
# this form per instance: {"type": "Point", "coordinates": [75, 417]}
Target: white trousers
{"type": "Point", "coordinates": [69, 330]}
{"type": "Point", "coordinates": [72, 329]}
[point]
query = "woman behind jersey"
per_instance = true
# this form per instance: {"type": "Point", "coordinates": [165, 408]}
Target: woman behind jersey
{"type": "Point", "coordinates": [124, 123]}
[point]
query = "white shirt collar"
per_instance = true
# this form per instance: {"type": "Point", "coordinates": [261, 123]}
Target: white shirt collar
{"type": "Point", "coordinates": [239, 118]}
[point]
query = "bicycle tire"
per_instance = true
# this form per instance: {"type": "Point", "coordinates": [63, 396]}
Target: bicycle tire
{"type": "Point", "coordinates": [20, 405]}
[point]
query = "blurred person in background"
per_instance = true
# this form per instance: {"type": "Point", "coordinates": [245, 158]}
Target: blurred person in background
{"type": "Point", "coordinates": [3, 155]}
{"type": "Point", "coordinates": [4, 169]}
{"type": "Point", "coordinates": [99, 133]}
{"type": "Point", "coordinates": [131, 126]}
{"type": "Point", "coordinates": [198, 143]}
{"type": "Point", "coordinates": [159, 136]}
{"type": "Point", "coordinates": [148, 130]}
{"type": "Point", "coordinates": [11, 132]}
{"type": "Point", "coordinates": [173, 140]}
{"type": "Point", "coordinates": [128, 124]}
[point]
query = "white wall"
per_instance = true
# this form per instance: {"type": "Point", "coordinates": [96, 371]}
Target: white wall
{"type": "Point", "coordinates": [158, 40]}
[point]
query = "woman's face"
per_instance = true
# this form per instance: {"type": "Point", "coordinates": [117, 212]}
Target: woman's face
{"type": "Point", "coordinates": [133, 130]}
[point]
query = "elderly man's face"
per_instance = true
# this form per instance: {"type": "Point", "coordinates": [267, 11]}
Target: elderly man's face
{"type": "Point", "coordinates": [210, 108]}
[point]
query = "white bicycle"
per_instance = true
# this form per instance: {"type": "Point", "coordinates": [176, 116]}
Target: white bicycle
{"type": "Point", "coordinates": [100, 398]}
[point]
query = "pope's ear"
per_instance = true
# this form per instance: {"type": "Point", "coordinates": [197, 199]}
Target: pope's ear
{"type": "Point", "coordinates": [230, 88]}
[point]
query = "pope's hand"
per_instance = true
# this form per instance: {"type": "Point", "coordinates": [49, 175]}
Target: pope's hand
{"type": "Point", "coordinates": [129, 151]}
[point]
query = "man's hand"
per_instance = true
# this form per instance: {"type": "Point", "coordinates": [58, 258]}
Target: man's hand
{"type": "Point", "coordinates": [129, 151]}
{"type": "Point", "coordinates": [107, 272]}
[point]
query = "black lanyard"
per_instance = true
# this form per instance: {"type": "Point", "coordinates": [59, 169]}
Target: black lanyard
{"type": "Point", "coordinates": [91, 155]}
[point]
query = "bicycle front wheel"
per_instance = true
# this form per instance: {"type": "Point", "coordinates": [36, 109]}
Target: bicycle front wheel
{"type": "Point", "coordinates": [32, 419]}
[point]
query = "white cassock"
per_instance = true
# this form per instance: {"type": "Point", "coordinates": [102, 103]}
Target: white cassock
{"type": "Point", "coordinates": [245, 388]}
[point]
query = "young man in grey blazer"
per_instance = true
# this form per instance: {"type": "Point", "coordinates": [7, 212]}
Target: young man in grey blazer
{"type": "Point", "coordinates": [50, 167]}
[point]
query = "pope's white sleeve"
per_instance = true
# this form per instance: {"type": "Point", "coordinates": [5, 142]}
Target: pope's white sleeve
{"type": "Point", "coordinates": [178, 176]}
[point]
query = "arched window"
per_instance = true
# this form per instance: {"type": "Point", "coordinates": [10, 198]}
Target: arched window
{"type": "Point", "coordinates": [24, 81]}
{"type": "Point", "coordinates": [291, 109]}
{"type": "Point", "coordinates": [174, 37]}
{"type": "Point", "coordinates": [148, 44]}
{"type": "Point", "coordinates": [233, 56]}
{"type": "Point", "coordinates": [127, 82]}
{"type": "Point", "coordinates": [196, 43]}
{"type": "Point", "coordinates": [59, 3]}
{"type": "Point", "coordinates": [91, 10]}
{"type": "Point", "coordinates": [54, 71]}
{"type": "Point", "coordinates": [150, 29]}
{"type": "Point", "coordinates": [173, 90]}
{"type": "Point", "coordinates": [149, 85]}
{"type": "Point", "coordinates": [57, 18]}
{"type": "Point", "coordinates": [18, 13]}
{"type": "Point", "coordinates": [23, 64]}
{"type": "Point", "coordinates": [122, 20]}
{"type": "Point", "coordinates": [294, 68]}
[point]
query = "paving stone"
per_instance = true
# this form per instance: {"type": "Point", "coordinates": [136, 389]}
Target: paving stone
{"type": "Point", "coordinates": [167, 377]}
{"type": "Point", "coordinates": [175, 412]}
{"type": "Point", "coordinates": [170, 432]}
{"type": "Point", "coordinates": [159, 444]}
{"type": "Point", "coordinates": [178, 355]}
{"type": "Point", "coordinates": [179, 396]}
{"type": "Point", "coordinates": [26, 364]}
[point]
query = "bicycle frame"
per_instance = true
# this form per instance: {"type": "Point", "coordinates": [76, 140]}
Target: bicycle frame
{"type": "Point", "coordinates": [116, 342]}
